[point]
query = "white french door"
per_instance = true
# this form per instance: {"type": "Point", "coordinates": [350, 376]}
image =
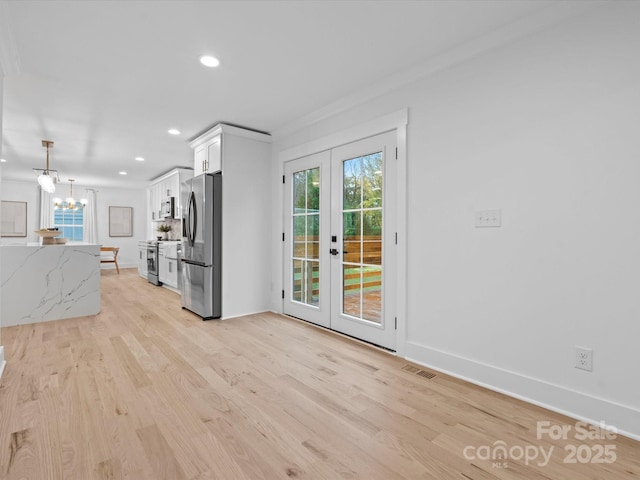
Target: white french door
{"type": "Point", "coordinates": [340, 239]}
{"type": "Point", "coordinates": [362, 217]}
{"type": "Point", "coordinates": [307, 266]}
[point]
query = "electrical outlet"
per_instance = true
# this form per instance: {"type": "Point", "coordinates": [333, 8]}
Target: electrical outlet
{"type": "Point", "coordinates": [584, 359]}
{"type": "Point", "coordinates": [488, 218]}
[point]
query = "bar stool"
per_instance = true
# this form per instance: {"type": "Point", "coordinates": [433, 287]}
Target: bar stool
{"type": "Point", "coordinates": [113, 259]}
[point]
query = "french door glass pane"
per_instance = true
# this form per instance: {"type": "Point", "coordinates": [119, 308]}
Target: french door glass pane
{"type": "Point", "coordinates": [313, 189]}
{"type": "Point", "coordinates": [352, 188]}
{"type": "Point", "coordinates": [352, 292]}
{"type": "Point", "coordinates": [299, 191]}
{"type": "Point", "coordinates": [372, 237]}
{"type": "Point", "coordinates": [372, 294]}
{"type": "Point", "coordinates": [313, 236]}
{"type": "Point", "coordinates": [297, 293]}
{"type": "Point", "coordinates": [372, 180]}
{"type": "Point", "coordinates": [362, 237]}
{"type": "Point", "coordinates": [305, 228]}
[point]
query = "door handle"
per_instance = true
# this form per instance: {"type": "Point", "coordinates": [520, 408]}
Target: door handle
{"type": "Point", "coordinates": [334, 251]}
{"type": "Point", "coordinates": [192, 223]}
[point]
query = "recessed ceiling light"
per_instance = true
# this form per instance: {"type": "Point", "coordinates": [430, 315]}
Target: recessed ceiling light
{"type": "Point", "coordinates": [122, 173]}
{"type": "Point", "coordinates": [3, 160]}
{"type": "Point", "coordinates": [209, 61]}
{"type": "Point", "coordinates": [174, 131]}
{"type": "Point", "coordinates": [140, 159]}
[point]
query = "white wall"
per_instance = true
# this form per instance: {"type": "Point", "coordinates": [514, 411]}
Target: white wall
{"type": "Point", "coordinates": [245, 226]}
{"type": "Point", "coordinates": [120, 197]}
{"type": "Point", "coordinates": [2, 360]}
{"type": "Point", "coordinates": [545, 129]}
{"type": "Point", "coordinates": [23, 192]}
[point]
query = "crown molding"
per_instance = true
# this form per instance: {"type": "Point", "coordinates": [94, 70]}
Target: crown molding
{"type": "Point", "coordinates": [9, 58]}
{"type": "Point", "coordinates": [231, 130]}
{"type": "Point", "coordinates": [525, 26]}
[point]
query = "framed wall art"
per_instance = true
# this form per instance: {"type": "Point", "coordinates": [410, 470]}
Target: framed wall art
{"type": "Point", "coordinates": [13, 219]}
{"type": "Point", "coordinates": [120, 221]}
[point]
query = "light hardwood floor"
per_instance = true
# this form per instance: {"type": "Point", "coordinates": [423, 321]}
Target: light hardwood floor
{"type": "Point", "coordinates": [146, 390]}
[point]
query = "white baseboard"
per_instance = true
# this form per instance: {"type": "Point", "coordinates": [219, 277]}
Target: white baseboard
{"type": "Point", "coordinates": [557, 398]}
{"type": "Point", "coordinates": [241, 314]}
{"type": "Point", "coordinates": [2, 361]}
{"type": "Point", "coordinates": [110, 266]}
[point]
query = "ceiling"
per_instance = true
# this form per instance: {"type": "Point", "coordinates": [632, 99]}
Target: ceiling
{"type": "Point", "coordinates": [105, 80]}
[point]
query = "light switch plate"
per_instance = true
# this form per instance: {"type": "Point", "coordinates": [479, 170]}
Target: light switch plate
{"type": "Point", "coordinates": [488, 218]}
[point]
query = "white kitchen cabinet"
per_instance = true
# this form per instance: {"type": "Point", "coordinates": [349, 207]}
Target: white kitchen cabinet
{"type": "Point", "coordinates": [172, 186]}
{"type": "Point", "coordinates": [168, 185]}
{"type": "Point", "coordinates": [168, 264]}
{"type": "Point", "coordinates": [199, 160]}
{"type": "Point", "coordinates": [142, 259]}
{"type": "Point", "coordinates": [154, 206]}
{"type": "Point", "coordinates": [214, 155]}
{"type": "Point", "coordinates": [207, 157]}
{"type": "Point", "coordinates": [244, 158]}
{"type": "Point", "coordinates": [151, 198]}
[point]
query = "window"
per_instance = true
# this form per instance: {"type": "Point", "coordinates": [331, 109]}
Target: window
{"type": "Point", "coordinates": [70, 222]}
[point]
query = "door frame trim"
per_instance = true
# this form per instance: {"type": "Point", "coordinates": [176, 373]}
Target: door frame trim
{"type": "Point", "coordinates": [397, 121]}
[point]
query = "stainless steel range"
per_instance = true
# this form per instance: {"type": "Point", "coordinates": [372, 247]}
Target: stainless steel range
{"type": "Point", "coordinates": [152, 262]}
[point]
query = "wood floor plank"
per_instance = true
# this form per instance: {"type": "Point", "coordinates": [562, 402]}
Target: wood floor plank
{"type": "Point", "coordinates": [109, 470]}
{"type": "Point", "coordinates": [50, 436]}
{"type": "Point", "coordinates": [148, 391]}
{"type": "Point", "coordinates": [160, 455]}
{"type": "Point", "coordinates": [23, 455]}
{"type": "Point", "coordinates": [136, 373]}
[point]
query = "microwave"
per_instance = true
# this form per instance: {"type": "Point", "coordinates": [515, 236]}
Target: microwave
{"type": "Point", "coordinates": [168, 207]}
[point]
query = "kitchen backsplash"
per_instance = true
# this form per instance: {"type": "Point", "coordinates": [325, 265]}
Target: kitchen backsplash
{"type": "Point", "coordinates": [176, 229]}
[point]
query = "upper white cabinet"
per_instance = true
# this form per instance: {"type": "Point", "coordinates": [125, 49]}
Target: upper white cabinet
{"type": "Point", "coordinates": [199, 160]}
{"type": "Point", "coordinates": [208, 148]}
{"type": "Point", "coordinates": [214, 155]}
{"type": "Point", "coordinates": [207, 155]}
{"type": "Point", "coordinates": [161, 189]}
{"type": "Point", "coordinates": [154, 202]}
{"type": "Point", "coordinates": [165, 187]}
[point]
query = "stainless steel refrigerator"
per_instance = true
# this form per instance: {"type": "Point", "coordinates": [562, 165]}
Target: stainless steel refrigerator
{"type": "Point", "coordinates": [201, 245]}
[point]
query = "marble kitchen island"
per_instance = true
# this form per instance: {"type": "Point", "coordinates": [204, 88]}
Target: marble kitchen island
{"type": "Point", "coordinates": [49, 282]}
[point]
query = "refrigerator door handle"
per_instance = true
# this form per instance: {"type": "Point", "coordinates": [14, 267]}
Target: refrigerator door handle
{"type": "Point", "coordinates": [191, 262]}
{"type": "Point", "coordinates": [192, 223]}
{"type": "Point", "coordinates": [187, 220]}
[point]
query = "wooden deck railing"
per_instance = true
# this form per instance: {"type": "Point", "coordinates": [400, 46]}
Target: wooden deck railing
{"type": "Point", "coordinates": [371, 248]}
{"type": "Point", "coordinates": [371, 255]}
{"type": "Point", "coordinates": [369, 279]}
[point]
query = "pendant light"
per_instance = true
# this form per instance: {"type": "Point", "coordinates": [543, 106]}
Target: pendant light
{"type": "Point", "coordinates": [45, 180]}
{"type": "Point", "coordinates": [70, 202]}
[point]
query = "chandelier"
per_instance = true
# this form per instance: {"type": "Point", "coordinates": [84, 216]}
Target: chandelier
{"type": "Point", "coordinates": [45, 179]}
{"type": "Point", "coordinates": [69, 203]}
